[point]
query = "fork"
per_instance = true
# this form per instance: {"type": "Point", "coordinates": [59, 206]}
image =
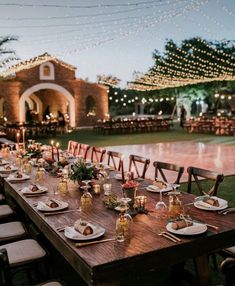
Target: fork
{"type": "Point", "coordinates": [171, 235]}
{"type": "Point", "coordinates": [167, 236]}
{"type": "Point", "coordinates": [226, 211]}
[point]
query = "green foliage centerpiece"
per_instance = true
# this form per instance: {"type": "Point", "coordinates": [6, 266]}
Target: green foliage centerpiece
{"type": "Point", "coordinates": [82, 171]}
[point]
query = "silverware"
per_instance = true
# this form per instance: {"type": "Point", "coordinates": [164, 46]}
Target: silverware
{"type": "Point", "coordinates": [80, 244]}
{"type": "Point", "coordinates": [212, 226]}
{"type": "Point", "coordinates": [226, 211]}
{"type": "Point", "coordinates": [171, 235]}
{"type": "Point", "coordinates": [168, 237]}
{"type": "Point", "coordinates": [35, 195]}
{"type": "Point", "coordinates": [61, 212]}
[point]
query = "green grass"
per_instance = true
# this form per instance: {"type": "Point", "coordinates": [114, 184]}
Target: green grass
{"type": "Point", "coordinates": [88, 136]}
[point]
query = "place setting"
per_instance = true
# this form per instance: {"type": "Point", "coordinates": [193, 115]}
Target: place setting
{"type": "Point", "coordinates": [7, 169]}
{"type": "Point", "coordinates": [34, 190]}
{"type": "Point", "coordinates": [210, 203]}
{"type": "Point", "coordinates": [160, 186]}
{"type": "Point", "coordinates": [53, 207]}
{"type": "Point", "coordinates": [85, 232]}
{"type": "Point", "coordinates": [17, 177]}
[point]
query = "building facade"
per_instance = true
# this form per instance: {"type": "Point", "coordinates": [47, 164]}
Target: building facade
{"type": "Point", "coordinates": [46, 87]}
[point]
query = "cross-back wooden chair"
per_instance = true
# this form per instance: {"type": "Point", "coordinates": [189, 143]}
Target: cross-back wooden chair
{"type": "Point", "coordinates": [83, 150]}
{"type": "Point", "coordinates": [72, 147]}
{"type": "Point", "coordinates": [138, 165]}
{"type": "Point", "coordinates": [195, 173]}
{"type": "Point", "coordinates": [160, 166]}
{"type": "Point", "coordinates": [97, 154]}
{"type": "Point", "coordinates": [115, 160]}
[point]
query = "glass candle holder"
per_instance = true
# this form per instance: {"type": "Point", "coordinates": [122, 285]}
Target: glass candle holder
{"type": "Point", "coordinates": [96, 189]}
{"type": "Point", "coordinates": [140, 201]}
{"type": "Point", "coordinates": [107, 189]}
{"type": "Point", "coordinates": [62, 186]}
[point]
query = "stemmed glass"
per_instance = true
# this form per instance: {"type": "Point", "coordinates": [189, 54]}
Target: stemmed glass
{"type": "Point", "coordinates": [160, 206]}
{"type": "Point", "coordinates": [86, 198]}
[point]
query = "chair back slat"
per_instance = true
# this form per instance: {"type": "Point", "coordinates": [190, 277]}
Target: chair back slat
{"type": "Point", "coordinates": [97, 154]}
{"type": "Point", "coordinates": [196, 173]}
{"type": "Point", "coordinates": [72, 147]}
{"type": "Point", "coordinates": [161, 166]}
{"type": "Point", "coordinates": [136, 163]}
{"type": "Point", "coordinates": [115, 160]}
{"type": "Point", "coordinates": [82, 151]}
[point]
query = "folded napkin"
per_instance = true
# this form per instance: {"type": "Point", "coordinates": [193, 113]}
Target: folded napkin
{"type": "Point", "coordinates": [152, 187]}
{"type": "Point", "coordinates": [179, 224]}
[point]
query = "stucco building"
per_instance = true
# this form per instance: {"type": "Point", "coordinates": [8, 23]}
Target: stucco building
{"type": "Point", "coordinates": [45, 85]}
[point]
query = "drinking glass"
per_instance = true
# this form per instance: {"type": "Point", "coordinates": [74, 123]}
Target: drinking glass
{"type": "Point", "coordinates": [161, 207]}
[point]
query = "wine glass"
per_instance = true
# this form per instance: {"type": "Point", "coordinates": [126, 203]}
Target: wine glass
{"type": "Point", "coordinates": [160, 206]}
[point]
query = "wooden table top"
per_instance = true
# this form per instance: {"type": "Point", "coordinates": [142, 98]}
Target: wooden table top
{"type": "Point", "coordinates": [143, 251]}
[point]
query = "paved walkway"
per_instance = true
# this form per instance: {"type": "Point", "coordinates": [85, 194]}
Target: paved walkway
{"type": "Point", "coordinates": [216, 157]}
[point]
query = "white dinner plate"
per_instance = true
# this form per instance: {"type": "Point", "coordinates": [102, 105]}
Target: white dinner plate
{"type": "Point", "coordinates": [28, 190]}
{"type": "Point", "coordinates": [42, 206]}
{"type": "Point", "coordinates": [118, 177]}
{"type": "Point", "coordinates": [223, 204]}
{"type": "Point", "coordinates": [155, 189]}
{"type": "Point", "coordinates": [13, 178]}
{"type": "Point", "coordinates": [6, 171]}
{"type": "Point", "coordinates": [71, 233]}
{"type": "Point", "coordinates": [196, 228]}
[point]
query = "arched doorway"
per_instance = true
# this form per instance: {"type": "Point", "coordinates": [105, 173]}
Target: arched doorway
{"type": "Point", "coordinates": [43, 86]}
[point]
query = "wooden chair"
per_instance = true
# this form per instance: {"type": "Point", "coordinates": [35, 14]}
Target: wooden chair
{"type": "Point", "coordinates": [97, 154]}
{"type": "Point", "coordinates": [115, 160]}
{"type": "Point", "coordinates": [23, 254]}
{"type": "Point", "coordinates": [138, 165]}
{"type": "Point", "coordinates": [72, 147]}
{"type": "Point", "coordinates": [5, 212]}
{"type": "Point", "coordinates": [194, 173]}
{"type": "Point", "coordinates": [160, 166]}
{"type": "Point", "coordinates": [82, 151]}
{"type": "Point", "coordinates": [12, 231]}
{"type": "Point", "coordinates": [228, 269]}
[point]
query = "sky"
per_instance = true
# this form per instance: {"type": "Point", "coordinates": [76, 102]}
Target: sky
{"type": "Point", "coordinates": [111, 37]}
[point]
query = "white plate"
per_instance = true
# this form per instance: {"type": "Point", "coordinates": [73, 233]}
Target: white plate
{"type": "Point", "coordinates": [12, 178]}
{"type": "Point", "coordinates": [5, 171]}
{"type": "Point", "coordinates": [118, 177]}
{"type": "Point", "coordinates": [155, 189]}
{"type": "Point", "coordinates": [223, 204]}
{"type": "Point", "coordinates": [196, 228]}
{"type": "Point", "coordinates": [71, 233]}
{"type": "Point", "coordinates": [42, 206]}
{"type": "Point", "coordinates": [28, 190]}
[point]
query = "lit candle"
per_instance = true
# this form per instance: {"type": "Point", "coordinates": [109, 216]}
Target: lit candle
{"type": "Point", "coordinates": [52, 150]}
{"type": "Point", "coordinates": [23, 135]}
{"type": "Point", "coordinates": [18, 137]}
{"type": "Point", "coordinates": [58, 153]}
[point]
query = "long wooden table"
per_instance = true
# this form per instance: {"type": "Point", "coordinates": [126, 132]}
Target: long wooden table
{"type": "Point", "coordinates": [97, 264]}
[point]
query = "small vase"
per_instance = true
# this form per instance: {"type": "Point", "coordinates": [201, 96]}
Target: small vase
{"type": "Point", "coordinates": [130, 193]}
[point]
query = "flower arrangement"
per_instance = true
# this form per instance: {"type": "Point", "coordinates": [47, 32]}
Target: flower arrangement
{"type": "Point", "coordinates": [33, 151]}
{"type": "Point", "coordinates": [81, 171]}
{"type": "Point", "coordinates": [130, 185]}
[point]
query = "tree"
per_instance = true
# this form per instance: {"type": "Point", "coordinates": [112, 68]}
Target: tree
{"type": "Point", "coordinates": [6, 54]}
{"type": "Point", "coordinates": [108, 80]}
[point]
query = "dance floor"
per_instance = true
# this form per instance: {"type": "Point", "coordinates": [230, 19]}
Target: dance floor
{"type": "Point", "coordinates": [216, 157]}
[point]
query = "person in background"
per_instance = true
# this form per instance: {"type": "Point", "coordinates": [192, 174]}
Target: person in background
{"type": "Point", "coordinates": [183, 114]}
